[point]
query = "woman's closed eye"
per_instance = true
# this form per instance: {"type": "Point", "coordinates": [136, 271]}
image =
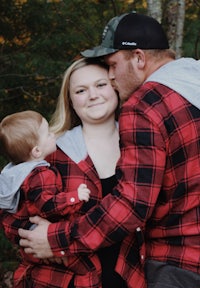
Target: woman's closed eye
{"type": "Point", "coordinates": [80, 91]}
{"type": "Point", "coordinates": [102, 84]}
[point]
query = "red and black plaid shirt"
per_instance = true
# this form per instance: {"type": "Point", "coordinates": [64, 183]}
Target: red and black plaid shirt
{"type": "Point", "coordinates": [158, 189]}
{"type": "Point", "coordinates": [41, 195]}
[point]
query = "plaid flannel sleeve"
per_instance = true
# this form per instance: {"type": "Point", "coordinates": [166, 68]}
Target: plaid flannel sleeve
{"type": "Point", "coordinates": [45, 195]}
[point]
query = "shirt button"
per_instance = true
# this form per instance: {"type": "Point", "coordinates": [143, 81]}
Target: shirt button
{"type": "Point", "coordinates": [72, 199]}
{"type": "Point", "coordinates": [62, 252]}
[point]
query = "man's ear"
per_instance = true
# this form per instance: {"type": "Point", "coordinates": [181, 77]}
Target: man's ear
{"type": "Point", "coordinates": [36, 152]}
{"type": "Point", "coordinates": [140, 58]}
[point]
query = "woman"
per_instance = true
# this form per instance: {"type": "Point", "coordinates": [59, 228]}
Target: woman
{"type": "Point", "coordinates": [88, 100]}
{"type": "Point", "coordinates": [88, 150]}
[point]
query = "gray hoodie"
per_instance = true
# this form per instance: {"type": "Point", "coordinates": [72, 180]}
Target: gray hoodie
{"type": "Point", "coordinates": [183, 76]}
{"type": "Point", "coordinates": [11, 178]}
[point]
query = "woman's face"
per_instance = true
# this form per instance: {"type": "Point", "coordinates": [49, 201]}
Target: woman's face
{"type": "Point", "coordinates": [93, 98]}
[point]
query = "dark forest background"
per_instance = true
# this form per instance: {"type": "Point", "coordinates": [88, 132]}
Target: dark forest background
{"type": "Point", "coordinates": [39, 40]}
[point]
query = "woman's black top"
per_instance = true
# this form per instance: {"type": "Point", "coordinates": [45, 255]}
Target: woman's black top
{"type": "Point", "coordinates": [108, 256]}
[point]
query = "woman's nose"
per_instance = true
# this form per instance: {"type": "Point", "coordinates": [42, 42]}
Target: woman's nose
{"type": "Point", "coordinates": [93, 93]}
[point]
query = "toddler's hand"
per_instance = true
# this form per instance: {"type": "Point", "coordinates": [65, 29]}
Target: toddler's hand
{"type": "Point", "coordinates": [83, 192]}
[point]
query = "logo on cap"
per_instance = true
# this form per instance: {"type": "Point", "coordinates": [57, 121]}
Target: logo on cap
{"type": "Point", "coordinates": [126, 43]}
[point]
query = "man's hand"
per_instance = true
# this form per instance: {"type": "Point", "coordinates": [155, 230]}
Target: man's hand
{"type": "Point", "coordinates": [36, 242]}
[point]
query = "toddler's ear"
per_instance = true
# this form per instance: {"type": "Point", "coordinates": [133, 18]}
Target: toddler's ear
{"type": "Point", "coordinates": [36, 152]}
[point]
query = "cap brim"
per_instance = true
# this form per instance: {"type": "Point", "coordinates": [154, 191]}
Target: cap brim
{"type": "Point", "coordinates": [98, 51]}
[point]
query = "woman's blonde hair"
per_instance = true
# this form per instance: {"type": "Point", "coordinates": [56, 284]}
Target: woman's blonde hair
{"type": "Point", "coordinates": [19, 134]}
{"type": "Point", "coordinates": [65, 117]}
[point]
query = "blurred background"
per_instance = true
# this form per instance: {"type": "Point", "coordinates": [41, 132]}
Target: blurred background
{"type": "Point", "coordinates": [39, 40]}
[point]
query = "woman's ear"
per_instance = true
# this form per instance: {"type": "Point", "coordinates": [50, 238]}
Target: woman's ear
{"type": "Point", "coordinates": [36, 152]}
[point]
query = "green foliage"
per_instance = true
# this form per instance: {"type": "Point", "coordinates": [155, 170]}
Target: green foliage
{"type": "Point", "coordinates": [191, 42]}
{"type": "Point", "coordinates": [8, 250]}
{"type": "Point", "coordinates": [39, 40]}
{"type": "Point", "coordinates": [8, 258]}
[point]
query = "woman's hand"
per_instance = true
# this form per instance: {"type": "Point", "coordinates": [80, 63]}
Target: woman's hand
{"type": "Point", "coordinates": [35, 242]}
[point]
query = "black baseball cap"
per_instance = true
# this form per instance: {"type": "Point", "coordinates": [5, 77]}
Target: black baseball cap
{"type": "Point", "coordinates": [129, 31]}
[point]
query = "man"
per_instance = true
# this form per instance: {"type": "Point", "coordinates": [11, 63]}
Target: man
{"type": "Point", "coordinates": [157, 199]}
